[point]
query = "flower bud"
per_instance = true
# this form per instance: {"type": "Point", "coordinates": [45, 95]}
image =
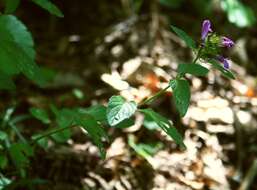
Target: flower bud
{"type": "Point", "coordinates": [226, 42]}
{"type": "Point", "coordinates": [206, 28]}
{"type": "Point", "coordinates": [224, 61]}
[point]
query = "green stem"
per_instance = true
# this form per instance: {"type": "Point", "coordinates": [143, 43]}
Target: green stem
{"type": "Point", "coordinates": [198, 55]}
{"type": "Point", "coordinates": [47, 134]}
{"type": "Point", "coordinates": [149, 100]}
{"type": "Point", "coordinates": [17, 132]}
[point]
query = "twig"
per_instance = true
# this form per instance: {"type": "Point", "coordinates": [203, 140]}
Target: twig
{"type": "Point", "coordinates": [149, 100]}
{"type": "Point", "coordinates": [47, 134]}
{"type": "Point", "coordinates": [249, 176]}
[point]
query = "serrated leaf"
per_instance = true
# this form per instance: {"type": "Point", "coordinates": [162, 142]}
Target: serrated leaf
{"type": "Point", "coordinates": [118, 110]}
{"type": "Point", "coordinates": [19, 153]}
{"type": "Point", "coordinates": [181, 91]}
{"type": "Point", "coordinates": [40, 114]}
{"type": "Point", "coordinates": [225, 72]}
{"type": "Point", "coordinates": [49, 6]}
{"type": "Point", "coordinates": [94, 130]}
{"type": "Point", "coordinates": [165, 125]}
{"type": "Point", "coordinates": [11, 6]}
{"type": "Point", "coordinates": [194, 69]}
{"type": "Point", "coordinates": [184, 36]}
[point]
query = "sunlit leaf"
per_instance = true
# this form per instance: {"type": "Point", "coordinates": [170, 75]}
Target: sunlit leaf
{"type": "Point", "coordinates": [238, 13]}
{"type": "Point", "coordinates": [4, 182]}
{"type": "Point", "coordinates": [118, 110]}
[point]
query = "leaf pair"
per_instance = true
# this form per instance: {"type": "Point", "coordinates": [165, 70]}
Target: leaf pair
{"type": "Point", "coordinates": [196, 69]}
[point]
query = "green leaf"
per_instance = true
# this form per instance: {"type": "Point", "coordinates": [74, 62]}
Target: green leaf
{"type": "Point", "coordinates": [194, 69]}
{"type": "Point", "coordinates": [40, 114]}
{"type": "Point", "coordinates": [238, 13]}
{"type": "Point", "coordinates": [225, 72]}
{"type": "Point", "coordinates": [3, 161]}
{"type": "Point", "coordinates": [42, 142]}
{"type": "Point", "coordinates": [64, 119]}
{"type": "Point", "coordinates": [11, 6]}
{"type": "Point", "coordinates": [6, 82]}
{"type": "Point", "coordinates": [118, 110]}
{"type": "Point", "coordinates": [125, 123]}
{"type": "Point", "coordinates": [4, 182]}
{"type": "Point", "coordinates": [94, 130]}
{"type": "Point", "coordinates": [181, 91]}
{"type": "Point", "coordinates": [49, 6]}
{"type": "Point", "coordinates": [43, 76]}
{"type": "Point", "coordinates": [138, 149]}
{"type": "Point", "coordinates": [165, 125]}
{"type": "Point", "coordinates": [19, 153]}
{"type": "Point", "coordinates": [97, 111]}
{"type": "Point", "coordinates": [3, 135]}
{"type": "Point", "coordinates": [17, 49]}
{"type": "Point", "coordinates": [184, 36]}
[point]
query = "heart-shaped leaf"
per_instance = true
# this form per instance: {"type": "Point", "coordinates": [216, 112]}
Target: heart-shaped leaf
{"type": "Point", "coordinates": [118, 110]}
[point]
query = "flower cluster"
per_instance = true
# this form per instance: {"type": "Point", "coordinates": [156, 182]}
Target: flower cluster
{"type": "Point", "coordinates": [211, 44]}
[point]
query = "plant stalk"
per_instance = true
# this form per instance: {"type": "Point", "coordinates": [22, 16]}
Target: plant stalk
{"type": "Point", "coordinates": [152, 98]}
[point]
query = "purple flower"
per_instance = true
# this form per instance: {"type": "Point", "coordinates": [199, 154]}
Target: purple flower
{"type": "Point", "coordinates": [206, 28]}
{"type": "Point", "coordinates": [224, 61]}
{"type": "Point", "coordinates": [226, 42]}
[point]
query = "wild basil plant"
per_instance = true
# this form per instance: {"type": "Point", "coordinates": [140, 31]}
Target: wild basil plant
{"type": "Point", "coordinates": [17, 55]}
{"type": "Point", "coordinates": [118, 113]}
